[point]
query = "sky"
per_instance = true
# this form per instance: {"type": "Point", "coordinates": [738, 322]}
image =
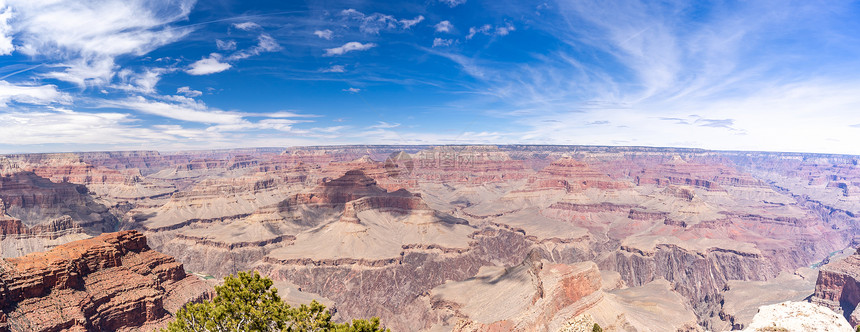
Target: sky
{"type": "Point", "coordinates": [86, 75]}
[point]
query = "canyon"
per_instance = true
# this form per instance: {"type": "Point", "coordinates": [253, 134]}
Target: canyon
{"type": "Point", "coordinates": [436, 238]}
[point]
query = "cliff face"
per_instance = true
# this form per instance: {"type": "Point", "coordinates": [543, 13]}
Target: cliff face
{"type": "Point", "coordinates": [34, 200]}
{"type": "Point", "coordinates": [110, 282]}
{"type": "Point", "coordinates": [838, 287]}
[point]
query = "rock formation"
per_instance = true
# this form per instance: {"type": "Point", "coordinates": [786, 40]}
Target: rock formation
{"type": "Point", "coordinates": [798, 317]}
{"type": "Point", "coordinates": [109, 282]}
{"type": "Point", "coordinates": [677, 235]}
{"type": "Point", "coordinates": [533, 296]}
{"type": "Point", "coordinates": [838, 287]}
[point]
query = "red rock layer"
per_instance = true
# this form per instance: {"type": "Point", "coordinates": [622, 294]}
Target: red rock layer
{"type": "Point", "coordinates": [349, 187]}
{"type": "Point", "coordinates": [28, 190]}
{"type": "Point", "coordinates": [110, 282]}
{"type": "Point", "coordinates": [706, 172]}
{"type": "Point", "coordinates": [466, 165]}
{"type": "Point", "coordinates": [572, 175]}
{"type": "Point", "coordinates": [838, 287]}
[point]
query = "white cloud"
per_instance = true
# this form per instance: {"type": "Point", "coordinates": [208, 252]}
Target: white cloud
{"type": "Point", "coordinates": [348, 47]}
{"type": "Point", "coordinates": [438, 42]}
{"type": "Point", "coordinates": [225, 45]}
{"type": "Point", "coordinates": [83, 72]}
{"type": "Point", "coordinates": [273, 124]}
{"type": "Point", "coordinates": [505, 30]}
{"type": "Point", "coordinates": [177, 107]}
{"type": "Point", "coordinates": [376, 22]}
{"type": "Point", "coordinates": [62, 126]}
{"type": "Point", "coordinates": [209, 65]}
{"type": "Point", "coordinates": [453, 3]}
{"type": "Point", "coordinates": [247, 26]}
{"type": "Point", "coordinates": [188, 92]}
{"type": "Point", "coordinates": [444, 26]}
{"type": "Point", "coordinates": [324, 34]}
{"type": "Point", "coordinates": [138, 82]}
{"type": "Point", "coordinates": [282, 114]}
{"type": "Point", "coordinates": [6, 46]}
{"type": "Point", "coordinates": [217, 63]}
{"type": "Point", "coordinates": [334, 69]}
{"type": "Point", "coordinates": [488, 30]}
{"type": "Point", "coordinates": [384, 125]}
{"type": "Point", "coordinates": [352, 90]}
{"type": "Point", "coordinates": [86, 35]}
{"type": "Point", "coordinates": [409, 23]}
{"type": "Point", "coordinates": [31, 94]}
{"type": "Point", "coordinates": [483, 29]}
{"type": "Point", "coordinates": [265, 43]}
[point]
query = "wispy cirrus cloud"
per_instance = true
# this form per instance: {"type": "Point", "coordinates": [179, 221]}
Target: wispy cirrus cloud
{"type": "Point", "coordinates": [649, 66]}
{"type": "Point", "coordinates": [188, 92]}
{"type": "Point", "coordinates": [384, 125]}
{"type": "Point", "coordinates": [176, 107]}
{"type": "Point", "coordinates": [216, 63]}
{"type": "Point", "coordinates": [453, 3]}
{"type": "Point", "coordinates": [63, 126]}
{"type": "Point", "coordinates": [410, 23]}
{"type": "Point", "coordinates": [334, 69]}
{"type": "Point", "coordinates": [84, 37]}
{"type": "Point", "coordinates": [376, 22]}
{"type": "Point", "coordinates": [140, 82]}
{"type": "Point", "coordinates": [324, 34]}
{"type": "Point", "coordinates": [225, 45]}
{"type": "Point", "coordinates": [489, 30]}
{"type": "Point", "coordinates": [31, 94]}
{"type": "Point", "coordinates": [348, 47]}
{"type": "Point", "coordinates": [439, 42]}
{"type": "Point", "coordinates": [247, 26]}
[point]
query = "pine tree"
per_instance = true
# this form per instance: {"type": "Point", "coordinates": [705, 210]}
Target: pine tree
{"type": "Point", "coordinates": [247, 302]}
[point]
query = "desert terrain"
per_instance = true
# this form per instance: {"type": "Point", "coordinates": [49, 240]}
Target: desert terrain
{"type": "Point", "coordinates": [442, 238]}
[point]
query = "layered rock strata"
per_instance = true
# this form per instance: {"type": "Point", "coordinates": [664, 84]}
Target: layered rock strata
{"type": "Point", "coordinates": [110, 282]}
{"type": "Point", "coordinates": [838, 287]}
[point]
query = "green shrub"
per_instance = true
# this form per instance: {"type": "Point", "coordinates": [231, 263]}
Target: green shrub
{"type": "Point", "coordinates": [596, 328]}
{"type": "Point", "coordinates": [247, 302]}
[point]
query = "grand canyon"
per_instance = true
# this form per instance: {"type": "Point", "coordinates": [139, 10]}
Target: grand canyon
{"type": "Point", "coordinates": [433, 238]}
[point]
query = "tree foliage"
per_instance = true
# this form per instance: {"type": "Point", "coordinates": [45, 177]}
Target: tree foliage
{"type": "Point", "coordinates": [247, 302]}
{"type": "Point", "coordinates": [596, 328]}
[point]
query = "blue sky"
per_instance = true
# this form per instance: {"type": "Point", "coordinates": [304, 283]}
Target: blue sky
{"type": "Point", "coordinates": [83, 75]}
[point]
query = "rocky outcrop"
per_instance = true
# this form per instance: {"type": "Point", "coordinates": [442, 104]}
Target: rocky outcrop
{"type": "Point", "coordinates": [797, 317]}
{"type": "Point", "coordinates": [110, 282]}
{"type": "Point", "coordinates": [838, 287]}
